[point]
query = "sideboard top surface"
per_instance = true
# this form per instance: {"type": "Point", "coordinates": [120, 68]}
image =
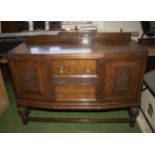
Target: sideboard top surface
{"type": "Point", "coordinates": [82, 47]}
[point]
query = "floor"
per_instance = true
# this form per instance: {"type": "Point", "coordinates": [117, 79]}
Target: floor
{"type": "Point", "coordinates": [11, 122]}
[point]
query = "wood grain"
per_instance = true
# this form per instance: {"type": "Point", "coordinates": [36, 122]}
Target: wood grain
{"type": "Point", "coordinates": [3, 95]}
{"type": "Point", "coordinates": [74, 67]}
{"type": "Point", "coordinates": [75, 92]}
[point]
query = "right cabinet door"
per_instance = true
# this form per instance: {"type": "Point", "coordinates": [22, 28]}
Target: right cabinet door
{"type": "Point", "coordinates": [122, 79]}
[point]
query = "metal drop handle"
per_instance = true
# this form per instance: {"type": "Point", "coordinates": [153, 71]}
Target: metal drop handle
{"type": "Point", "coordinates": [87, 69]}
{"type": "Point", "coordinates": [62, 69]}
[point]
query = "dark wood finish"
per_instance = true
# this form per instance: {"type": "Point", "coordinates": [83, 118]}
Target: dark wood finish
{"type": "Point", "coordinates": [120, 78]}
{"type": "Point", "coordinates": [147, 41]}
{"type": "Point", "coordinates": [77, 36]}
{"type": "Point", "coordinates": [75, 92]}
{"type": "Point", "coordinates": [4, 100]}
{"type": "Point", "coordinates": [78, 80]}
{"type": "Point", "coordinates": [5, 70]}
{"type": "Point", "coordinates": [134, 111]}
{"type": "Point", "coordinates": [23, 111]}
{"type": "Point", "coordinates": [149, 44]}
{"type": "Point", "coordinates": [29, 77]}
{"type": "Point", "coordinates": [74, 67]}
{"type": "Point", "coordinates": [113, 36]}
{"type": "Point", "coordinates": [79, 71]}
{"type": "Point", "coordinates": [80, 120]}
{"type": "Point", "coordinates": [79, 104]}
{"type": "Point", "coordinates": [150, 64]}
{"type": "Point", "coordinates": [14, 26]}
{"type": "Point", "coordinates": [3, 60]}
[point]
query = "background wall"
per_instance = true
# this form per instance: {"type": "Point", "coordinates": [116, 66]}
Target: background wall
{"type": "Point", "coordinates": [117, 26]}
{"type": "Point", "coordinates": [108, 26]}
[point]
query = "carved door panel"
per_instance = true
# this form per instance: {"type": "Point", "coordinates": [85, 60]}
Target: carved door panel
{"type": "Point", "coordinates": [31, 79]}
{"type": "Point", "coordinates": [122, 79]}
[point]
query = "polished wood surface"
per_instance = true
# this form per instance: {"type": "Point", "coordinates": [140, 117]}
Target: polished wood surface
{"type": "Point", "coordinates": [31, 79]}
{"type": "Point", "coordinates": [78, 71]}
{"type": "Point", "coordinates": [81, 120]}
{"type": "Point", "coordinates": [75, 92]}
{"type": "Point", "coordinates": [151, 50]}
{"type": "Point", "coordinates": [149, 44]}
{"type": "Point", "coordinates": [4, 100]}
{"type": "Point", "coordinates": [3, 60]}
{"type": "Point", "coordinates": [121, 79]}
{"type": "Point", "coordinates": [74, 67]}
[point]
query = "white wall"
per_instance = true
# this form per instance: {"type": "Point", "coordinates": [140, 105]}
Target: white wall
{"type": "Point", "coordinates": [116, 26]}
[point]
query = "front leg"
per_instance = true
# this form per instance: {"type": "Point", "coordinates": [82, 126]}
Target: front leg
{"type": "Point", "coordinates": [23, 112]}
{"type": "Point", "coordinates": [133, 112]}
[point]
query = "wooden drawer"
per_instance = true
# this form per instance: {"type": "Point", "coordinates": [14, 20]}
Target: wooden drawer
{"type": "Point", "coordinates": [74, 67]}
{"type": "Point", "coordinates": [84, 81]}
{"type": "Point", "coordinates": [75, 92]}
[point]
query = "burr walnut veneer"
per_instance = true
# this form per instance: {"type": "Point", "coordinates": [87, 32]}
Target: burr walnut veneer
{"type": "Point", "coordinates": [78, 71]}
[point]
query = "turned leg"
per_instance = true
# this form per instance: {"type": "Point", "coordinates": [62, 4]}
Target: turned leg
{"type": "Point", "coordinates": [23, 112]}
{"type": "Point", "coordinates": [133, 112]}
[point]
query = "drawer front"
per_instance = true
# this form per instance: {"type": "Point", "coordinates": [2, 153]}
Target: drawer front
{"type": "Point", "coordinates": [84, 81]}
{"type": "Point", "coordinates": [74, 67]}
{"type": "Point", "coordinates": [75, 92]}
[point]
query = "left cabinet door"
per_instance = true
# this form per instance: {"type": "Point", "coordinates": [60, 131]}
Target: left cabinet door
{"type": "Point", "coordinates": [31, 79]}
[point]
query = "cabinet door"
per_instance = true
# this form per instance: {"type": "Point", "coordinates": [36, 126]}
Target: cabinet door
{"type": "Point", "coordinates": [122, 79]}
{"type": "Point", "coordinates": [31, 79]}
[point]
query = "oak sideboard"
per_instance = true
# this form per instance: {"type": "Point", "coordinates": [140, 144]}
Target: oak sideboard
{"type": "Point", "coordinates": [78, 71]}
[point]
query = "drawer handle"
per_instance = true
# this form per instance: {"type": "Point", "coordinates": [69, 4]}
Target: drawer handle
{"type": "Point", "coordinates": [88, 69]}
{"type": "Point", "coordinates": [62, 69]}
